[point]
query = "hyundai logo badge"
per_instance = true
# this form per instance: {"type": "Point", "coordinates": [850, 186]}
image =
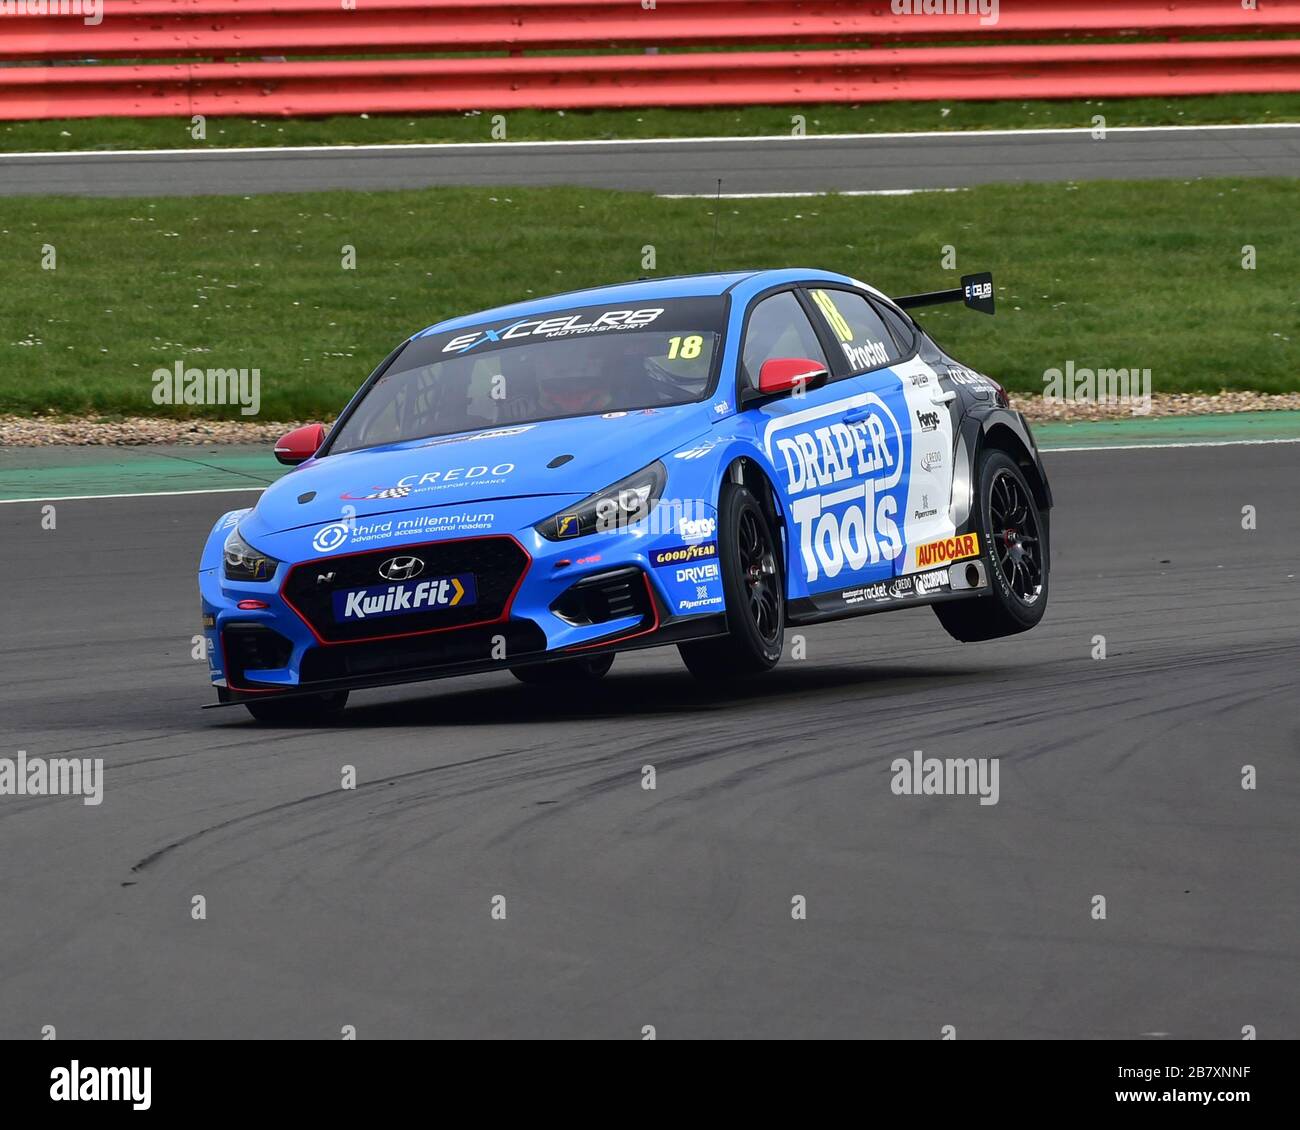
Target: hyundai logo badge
{"type": "Point", "coordinates": [401, 568]}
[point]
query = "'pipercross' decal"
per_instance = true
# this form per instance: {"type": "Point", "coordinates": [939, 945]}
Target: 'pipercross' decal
{"type": "Point", "coordinates": [561, 325]}
{"type": "Point", "coordinates": [842, 479]}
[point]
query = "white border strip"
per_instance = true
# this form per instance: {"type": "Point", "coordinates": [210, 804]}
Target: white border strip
{"type": "Point", "coordinates": [440, 146]}
{"type": "Point", "coordinates": [1042, 450]}
{"type": "Point", "coordinates": [1158, 446]}
{"type": "Point", "coordinates": [141, 494]}
{"type": "Point", "coordinates": [792, 195]}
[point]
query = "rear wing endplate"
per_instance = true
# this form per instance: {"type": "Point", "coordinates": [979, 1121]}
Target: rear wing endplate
{"type": "Point", "coordinates": [975, 290]}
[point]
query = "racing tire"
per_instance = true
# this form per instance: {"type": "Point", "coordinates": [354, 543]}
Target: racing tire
{"type": "Point", "coordinates": [754, 589]}
{"type": "Point", "coordinates": [308, 710]}
{"type": "Point", "coordinates": [566, 672]}
{"type": "Point", "coordinates": [1016, 554]}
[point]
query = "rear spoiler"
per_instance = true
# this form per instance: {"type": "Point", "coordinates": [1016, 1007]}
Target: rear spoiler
{"type": "Point", "coordinates": [975, 290]}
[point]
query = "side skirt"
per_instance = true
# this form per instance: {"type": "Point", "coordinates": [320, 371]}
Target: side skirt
{"type": "Point", "coordinates": [806, 610]}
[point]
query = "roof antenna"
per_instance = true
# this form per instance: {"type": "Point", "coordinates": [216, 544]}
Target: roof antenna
{"type": "Point", "coordinates": [717, 207]}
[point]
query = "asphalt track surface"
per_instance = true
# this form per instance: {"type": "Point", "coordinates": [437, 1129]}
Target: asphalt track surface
{"type": "Point", "coordinates": [1119, 777]}
{"type": "Point", "coordinates": [746, 165]}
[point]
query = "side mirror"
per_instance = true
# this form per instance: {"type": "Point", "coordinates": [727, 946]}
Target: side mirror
{"type": "Point", "coordinates": [781, 374]}
{"type": "Point", "coordinates": [300, 444]}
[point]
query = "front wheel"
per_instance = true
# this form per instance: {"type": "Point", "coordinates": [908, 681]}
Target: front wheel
{"type": "Point", "coordinates": [1016, 550]}
{"type": "Point", "coordinates": [302, 710]}
{"type": "Point", "coordinates": [754, 591]}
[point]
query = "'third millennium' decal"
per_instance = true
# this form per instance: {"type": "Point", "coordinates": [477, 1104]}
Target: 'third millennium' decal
{"type": "Point", "coordinates": [839, 476]}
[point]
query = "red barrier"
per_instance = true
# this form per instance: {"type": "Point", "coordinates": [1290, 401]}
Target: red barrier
{"type": "Point", "coordinates": [402, 85]}
{"type": "Point", "coordinates": [226, 29]}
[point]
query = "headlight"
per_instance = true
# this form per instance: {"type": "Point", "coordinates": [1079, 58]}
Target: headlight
{"type": "Point", "coordinates": [244, 563]}
{"type": "Point", "coordinates": [614, 508]}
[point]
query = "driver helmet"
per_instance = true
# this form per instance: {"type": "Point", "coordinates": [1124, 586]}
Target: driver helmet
{"type": "Point", "coordinates": [570, 381]}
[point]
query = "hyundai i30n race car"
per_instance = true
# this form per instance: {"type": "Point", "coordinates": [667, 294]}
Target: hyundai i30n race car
{"type": "Point", "coordinates": [703, 461]}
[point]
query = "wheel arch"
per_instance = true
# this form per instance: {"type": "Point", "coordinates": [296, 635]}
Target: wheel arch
{"type": "Point", "coordinates": [750, 473]}
{"type": "Point", "coordinates": [1001, 435]}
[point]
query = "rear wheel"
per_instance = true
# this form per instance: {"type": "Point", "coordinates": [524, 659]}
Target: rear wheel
{"type": "Point", "coordinates": [307, 710]}
{"type": "Point", "coordinates": [1014, 534]}
{"type": "Point", "coordinates": [565, 672]}
{"type": "Point", "coordinates": [755, 594]}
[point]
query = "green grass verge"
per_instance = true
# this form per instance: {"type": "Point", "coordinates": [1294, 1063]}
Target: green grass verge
{"type": "Point", "coordinates": [1116, 274]}
{"type": "Point", "coordinates": [551, 125]}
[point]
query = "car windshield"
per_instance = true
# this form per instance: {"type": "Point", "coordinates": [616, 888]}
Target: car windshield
{"type": "Point", "coordinates": [578, 362]}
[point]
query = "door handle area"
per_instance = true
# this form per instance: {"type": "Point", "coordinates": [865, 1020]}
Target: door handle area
{"type": "Point", "coordinates": [856, 415]}
{"type": "Point", "coordinates": [943, 397]}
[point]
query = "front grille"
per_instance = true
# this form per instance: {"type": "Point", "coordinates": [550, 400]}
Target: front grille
{"type": "Point", "coordinates": [497, 564]}
{"type": "Point", "coordinates": [504, 643]}
{"type": "Point", "coordinates": [252, 647]}
{"type": "Point", "coordinates": [610, 596]}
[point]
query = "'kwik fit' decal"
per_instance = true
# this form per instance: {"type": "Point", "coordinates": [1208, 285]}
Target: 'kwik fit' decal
{"type": "Point", "coordinates": [843, 479]}
{"type": "Point", "coordinates": [401, 600]}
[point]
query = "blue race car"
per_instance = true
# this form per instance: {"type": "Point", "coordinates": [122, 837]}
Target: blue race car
{"type": "Point", "coordinates": [703, 461]}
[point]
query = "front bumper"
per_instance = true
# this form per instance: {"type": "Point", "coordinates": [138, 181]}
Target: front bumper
{"type": "Point", "coordinates": [537, 601]}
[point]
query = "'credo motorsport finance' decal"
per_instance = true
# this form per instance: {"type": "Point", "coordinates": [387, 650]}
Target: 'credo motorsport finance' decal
{"type": "Point", "coordinates": [842, 465]}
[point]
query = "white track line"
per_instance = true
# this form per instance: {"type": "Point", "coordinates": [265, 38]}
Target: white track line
{"type": "Point", "coordinates": [1160, 446]}
{"type": "Point", "coordinates": [139, 494]}
{"type": "Point", "coordinates": [1042, 450]}
{"type": "Point", "coordinates": [438, 146]}
{"type": "Point", "coordinates": [791, 195]}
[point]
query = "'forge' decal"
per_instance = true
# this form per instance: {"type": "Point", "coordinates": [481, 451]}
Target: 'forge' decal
{"type": "Point", "coordinates": [946, 550]}
{"type": "Point", "coordinates": [843, 481]}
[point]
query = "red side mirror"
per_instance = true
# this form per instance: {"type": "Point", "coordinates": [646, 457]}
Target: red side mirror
{"type": "Point", "coordinates": [300, 444]}
{"type": "Point", "coordinates": [781, 374]}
